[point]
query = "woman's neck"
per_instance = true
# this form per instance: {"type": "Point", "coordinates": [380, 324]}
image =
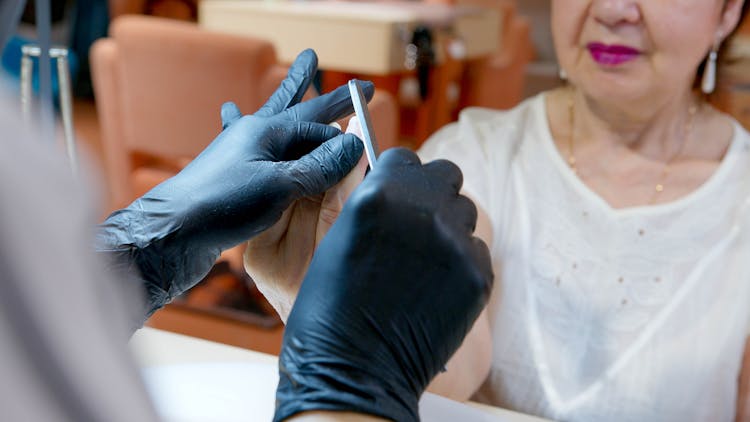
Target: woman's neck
{"type": "Point", "coordinates": [634, 156]}
{"type": "Point", "coordinates": [657, 130]}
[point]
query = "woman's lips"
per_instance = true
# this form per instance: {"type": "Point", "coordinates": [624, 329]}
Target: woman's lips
{"type": "Point", "coordinates": [612, 55]}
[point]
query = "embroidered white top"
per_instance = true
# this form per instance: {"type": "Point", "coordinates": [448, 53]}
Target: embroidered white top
{"type": "Point", "coordinates": [632, 314]}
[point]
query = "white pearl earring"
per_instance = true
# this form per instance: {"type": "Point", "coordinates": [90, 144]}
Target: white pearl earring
{"type": "Point", "coordinates": [562, 74]}
{"type": "Point", "coordinates": [708, 84]}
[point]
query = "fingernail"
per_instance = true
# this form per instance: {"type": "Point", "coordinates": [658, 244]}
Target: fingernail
{"type": "Point", "coordinates": [354, 127]}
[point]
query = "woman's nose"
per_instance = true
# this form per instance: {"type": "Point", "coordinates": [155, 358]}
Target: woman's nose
{"type": "Point", "coordinates": [615, 12]}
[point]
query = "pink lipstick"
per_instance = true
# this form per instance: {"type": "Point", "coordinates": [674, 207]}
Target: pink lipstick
{"type": "Point", "coordinates": [612, 55]}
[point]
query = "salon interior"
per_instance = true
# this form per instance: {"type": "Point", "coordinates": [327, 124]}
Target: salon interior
{"type": "Point", "coordinates": [138, 86]}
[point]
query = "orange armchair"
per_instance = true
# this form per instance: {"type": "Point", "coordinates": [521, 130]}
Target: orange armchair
{"type": "Point", "coordinates": [186, 10]}
{"type": "Point", "coordinates": [159, 87]}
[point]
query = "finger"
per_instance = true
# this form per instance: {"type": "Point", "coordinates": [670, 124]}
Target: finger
{"type": "Point", "coordinates": [395, 158]}
{"type": "Point", "coordinates": [446, 172]}
{"type": "Point", "coordinates": [329, 107]}
{"type": "Point", "coordinates": [303, 137]}
{"type": "Point", "coordinates": [463, 214]}
{"type": "Point", "coordinates": [230, 113]}
{"type": "Point", "coordinates": [355, 128]}
{"type": "Point", "coordinates": [294, 86]}
{"type": "Point", "coordinates": [327, 165]}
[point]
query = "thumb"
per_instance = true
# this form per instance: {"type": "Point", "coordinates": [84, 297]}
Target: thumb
{"type": "Point", "coordinates": [230, 113]}
{"type": "Point", "coordinates": [326, 165]}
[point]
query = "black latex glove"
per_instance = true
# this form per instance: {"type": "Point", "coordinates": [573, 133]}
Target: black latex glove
{"type": "Point", "coordinates": [391, 292]}
{"type": "Point", "coordinates": [236, 188]}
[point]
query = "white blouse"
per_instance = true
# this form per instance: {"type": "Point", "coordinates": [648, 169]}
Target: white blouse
{"type": "Point", "coordinates": [603, 314]}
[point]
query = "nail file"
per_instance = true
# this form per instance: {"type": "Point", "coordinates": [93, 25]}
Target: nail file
{"type": "Point", "coordinates": [363, 115]}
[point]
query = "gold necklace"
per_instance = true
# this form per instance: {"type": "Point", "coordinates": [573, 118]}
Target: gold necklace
{"type": "Point", "coordinates": [659, 187]}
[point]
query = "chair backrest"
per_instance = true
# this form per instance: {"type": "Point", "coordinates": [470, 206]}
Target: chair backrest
{"type": "Point", "coordinates": [159, 86]}
{"type": "Point", "coordinates": [186, 10]}
{"type": "Point", "coordinates": [498, 81]}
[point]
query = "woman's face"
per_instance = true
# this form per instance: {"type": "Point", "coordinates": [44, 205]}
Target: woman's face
{"type": "Point", "coordinates": [635, 50]}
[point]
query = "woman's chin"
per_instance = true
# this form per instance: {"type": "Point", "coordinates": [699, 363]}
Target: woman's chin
{"type": "Point", "coordinates": [616, 88]}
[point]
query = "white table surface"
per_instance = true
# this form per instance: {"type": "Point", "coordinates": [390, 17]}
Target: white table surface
{"type": "Point", "coordinates": [192, 379]}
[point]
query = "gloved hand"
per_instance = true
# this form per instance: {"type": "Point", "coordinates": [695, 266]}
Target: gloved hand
{"type": "Point", "coordinates": [236, 188]}
{"type": "Point", "coordinates": [390, 294]}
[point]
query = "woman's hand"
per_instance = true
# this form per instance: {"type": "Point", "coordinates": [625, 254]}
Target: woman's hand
{"type": "Point", "coordinates": [278, 258]}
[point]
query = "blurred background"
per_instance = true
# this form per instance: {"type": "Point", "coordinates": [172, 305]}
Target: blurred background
{"type": "Point", "coordinates": [148, 78]}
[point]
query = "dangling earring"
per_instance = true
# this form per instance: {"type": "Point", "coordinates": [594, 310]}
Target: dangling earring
{"type": "Point", "coordinates": [562, 74]}
{"type": "Point", "coordinates": [708, 84]}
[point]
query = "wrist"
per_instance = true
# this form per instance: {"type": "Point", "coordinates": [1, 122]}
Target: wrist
{"type": "Point", "coordinates": [325, 416]}
{"type": "Point", "coordinates": [153, 237]}
{"type": "Point", "coordinates": [308, 382]}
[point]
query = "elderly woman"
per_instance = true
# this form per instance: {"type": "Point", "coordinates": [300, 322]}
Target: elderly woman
{"type": "Point", "coordinates": [616, 209]}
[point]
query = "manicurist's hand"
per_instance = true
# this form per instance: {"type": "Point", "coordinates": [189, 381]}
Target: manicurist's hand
{"type": "Point", "coordinates": [239, 186]}
{"type": "Point", "coordinates": [390, 293]}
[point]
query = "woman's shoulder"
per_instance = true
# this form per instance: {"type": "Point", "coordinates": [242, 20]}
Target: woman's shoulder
{"type": "Point", "coordinates": [732, 141]}
{"type": "Point", "coordinates": [491, 131]}
{"type": "Point", "coordinates": [519, 115]}
{"type": "Point", "coordinates": [741, 134]}
{"type": "Point", "coordinates": [503, 124]}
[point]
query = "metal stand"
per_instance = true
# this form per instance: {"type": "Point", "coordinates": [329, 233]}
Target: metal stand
{"type": "Point", "coordinates": [66, 98]}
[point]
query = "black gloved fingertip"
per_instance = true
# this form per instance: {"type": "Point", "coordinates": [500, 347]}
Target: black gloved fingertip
{"type": "Point", "coordinates": [399, 156]}
{"type": "Point", "coordinates": [329, 131]}
{"type": "Point", "coordinates": [229, 114]}
{"type": "Point", "coordinates": [353, 147]}
{"type": "Point", "coordinates": [307, 59]}
{"type": "Point", "coordinates": [229, 107]}
{"type": "Point", "coordinates": [308, 53]}
{"type": "Point", "coordinates": [368, 88]}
